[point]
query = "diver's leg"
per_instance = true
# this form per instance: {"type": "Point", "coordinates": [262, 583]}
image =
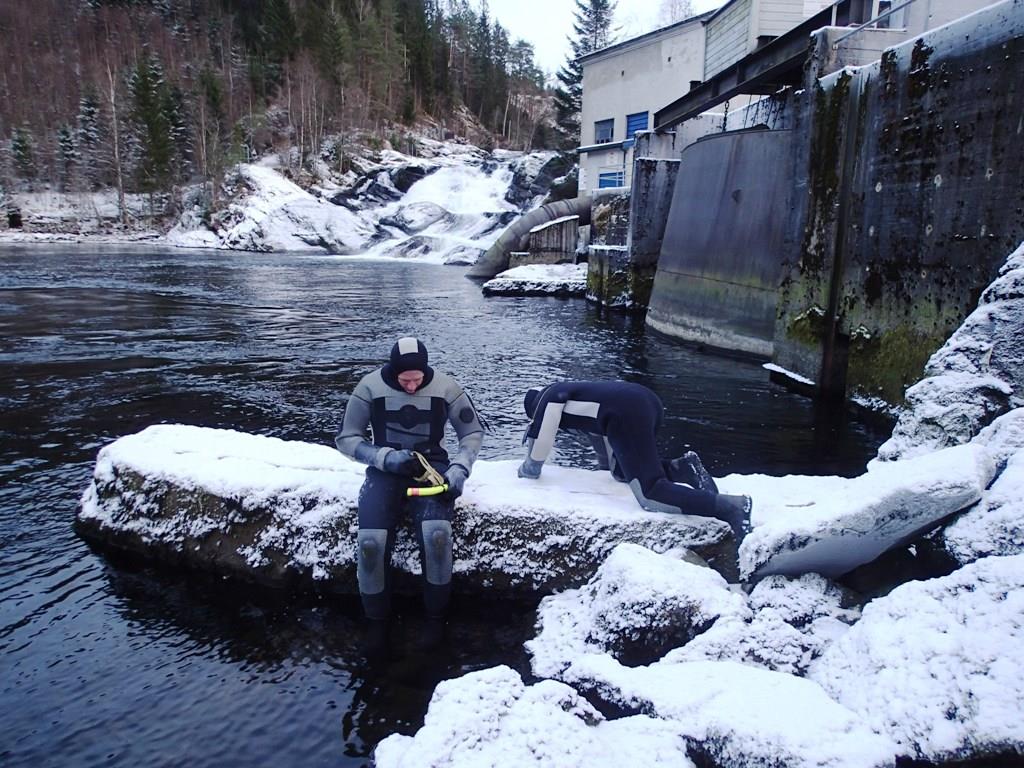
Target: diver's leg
{"type": "Point", "coordinates": [380, 503]}
{"type": "Point", "coordinates": [432, 516]}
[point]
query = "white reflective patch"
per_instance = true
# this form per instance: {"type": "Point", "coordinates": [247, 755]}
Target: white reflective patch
{"type": "Point", "coordinates": [582, 408]}
{"type": "Point", "coordinates": [546, 434]}
{"type": "Point", "coordinates": [407, 345]}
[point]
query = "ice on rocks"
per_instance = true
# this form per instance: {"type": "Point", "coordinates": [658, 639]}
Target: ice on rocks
{"type": "Point", "coordinates": [832, 525]}
{"type": "Point", "coordinates": [490, 718]}
{"type": "Point", "coordinates": [738, 715]}
{"type": "Point", "coordinates": [532, 279]}
{"type": "Point", "coordinates": [937, 665]}
{"type": "Point", "coordinates": [637, 606]}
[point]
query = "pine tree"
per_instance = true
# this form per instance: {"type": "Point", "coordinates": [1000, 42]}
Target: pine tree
{"type": "Point", "coordinates": [593, 30]}
{"type": "Point", "coordinates": [23, 153]}
{"type": "Point", "coordinates": [152, 126]}
{"type": "Point", "coordinates": [67, 156]}
{"type": "Point", "coordinates": [89, 136]}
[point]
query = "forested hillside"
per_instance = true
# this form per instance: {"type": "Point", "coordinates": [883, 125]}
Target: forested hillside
{"type": "Point", "coordinates": [144, 95]}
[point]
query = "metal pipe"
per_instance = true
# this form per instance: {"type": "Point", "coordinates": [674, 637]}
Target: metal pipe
{"type": "Point", "coordinates": [875, 20]}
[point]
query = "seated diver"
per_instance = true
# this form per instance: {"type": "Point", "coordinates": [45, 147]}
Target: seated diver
{"type": "Point", "coordinates": [406, 405]}
{"type": "Point", "coordinates": [621, 420]}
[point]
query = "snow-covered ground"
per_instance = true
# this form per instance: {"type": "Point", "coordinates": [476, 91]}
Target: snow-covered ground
{"type": "Point", "coordinates": [447, 204]}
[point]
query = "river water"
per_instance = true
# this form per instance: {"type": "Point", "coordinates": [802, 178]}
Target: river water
{"type": "Point", "coordinates": [106, 661]}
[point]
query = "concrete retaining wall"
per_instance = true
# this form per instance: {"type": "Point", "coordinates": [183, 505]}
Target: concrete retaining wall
{"type": "Point", "coordinates": [721, 256]}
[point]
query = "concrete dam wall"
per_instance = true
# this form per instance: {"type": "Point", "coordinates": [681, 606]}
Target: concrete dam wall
{"type": "Point", "coordinates": [722, 253]}
{"type": "Point", "coordinates": [882, 212]}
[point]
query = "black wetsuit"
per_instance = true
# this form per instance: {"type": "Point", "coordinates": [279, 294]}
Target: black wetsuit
{"type": "Point", "coordinates": [621, 420]}
{"type": "Point", "coordinates": [414, 422]}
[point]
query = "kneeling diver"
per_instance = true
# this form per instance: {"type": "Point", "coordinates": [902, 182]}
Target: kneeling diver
{"type": "Point", "coordinates": [621, 419]}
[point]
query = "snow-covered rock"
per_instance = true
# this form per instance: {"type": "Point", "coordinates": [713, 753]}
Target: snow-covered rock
{"type": "Point", "coordinates": [977, 375]}
{"type": "Point", "coordinates": [637, 606]}
{"type": "Point", "coordinates": [832, 525]}
{"type": "Point", "coordinates": [285, 512]}
{"type": "Point", "coordinates": [737, 715]}
{"type": "Point", "coordinates": [415, 217]}
{"type": "Point", "coordinates": [490, 718]}
{"type": "Point", "coordinates": [540, 279]}
{"type": "Point", "coordinates": [994, 526]}
{"type": "Point", "coordinates": [794, 620]}
{"type": "Point", "coordinates": [278, 215]}
{"type": "Point", "coordinates": [938, 665]}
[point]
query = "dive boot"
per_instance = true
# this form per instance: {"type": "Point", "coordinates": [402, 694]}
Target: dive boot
{"type": "Point", "coordinates": [735, 510]}
{"type": "Point", "coordinates": [689, 469]}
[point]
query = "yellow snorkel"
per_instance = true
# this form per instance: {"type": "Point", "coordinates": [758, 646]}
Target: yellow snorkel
{"type": "Point", "coordinates": [430, 475]}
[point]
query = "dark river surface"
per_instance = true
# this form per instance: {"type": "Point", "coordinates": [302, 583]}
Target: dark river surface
{"type": "Point", "coordinates": [111, 662]}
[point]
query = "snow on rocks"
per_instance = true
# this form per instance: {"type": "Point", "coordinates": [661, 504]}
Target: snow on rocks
{"type": "Point", "coordinates": [977, 375]}
{"type": "Point", "coordinates": [937, 665]}
{"type": "Point", "coordinates": [540, 279]}
{"type": "Point", "coordinates": [737, 715]}
{"type": "Point", "coordinates": [995, 526]}
{"type": "Point", "coordinates": [278, 215]}
{"type": "Point", "coordinates": [490, 718]}
{"type": "Point", "coordinates": [637, 606]}
{"type": "Point", "coordinates": [793, 621]}
{"type": "Point", "coordinates": [832, 525]}
{"type": "Point", "coordinates": [284, 513]}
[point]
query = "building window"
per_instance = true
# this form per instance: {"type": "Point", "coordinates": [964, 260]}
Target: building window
{"type": "Point", "coordinates": [610, 179]}
{"type": "Point", "coordinates": [635, 122]}
{"type": "Point", "coordinates": [603, 131]}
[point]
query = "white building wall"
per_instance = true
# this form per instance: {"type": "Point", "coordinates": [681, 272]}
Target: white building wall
{"type": "Point", "coordinates": [638, 76]}
{"type": "Point", "coordinates": [727, 36]}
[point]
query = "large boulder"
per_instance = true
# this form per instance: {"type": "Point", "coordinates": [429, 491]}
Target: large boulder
{"type": "Point", "coordinates": [739, 716]}
{"type": "Point", "coordinates": [637, 606]}
{"type": "Point", "coordinates": [937, 665]}
{"type": "Point", "coordinates": [832, 525]}
{"type": "Point", "coordinates": [284, 513]}
{"type": "Point", "coordinates": [791, 623]}
{"type": "Point", "coordinates": [490, 718]}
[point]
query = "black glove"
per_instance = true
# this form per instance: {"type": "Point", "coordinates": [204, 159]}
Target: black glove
{"type": "Point", "coordinates": [456, 478]}
{"type": "Point", "coordinates": [403, 463]}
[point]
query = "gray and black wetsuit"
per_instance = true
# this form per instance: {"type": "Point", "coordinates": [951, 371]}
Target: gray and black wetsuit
{"type": "Point", "coordinates": [415, 422]}
{"type": "Point", "coordinates": [621, 420]}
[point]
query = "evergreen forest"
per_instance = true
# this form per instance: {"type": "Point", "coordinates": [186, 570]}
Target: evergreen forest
{"type": "Point", "coordinates": [145, 95]}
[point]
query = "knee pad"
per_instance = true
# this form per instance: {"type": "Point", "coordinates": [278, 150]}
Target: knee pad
{"type": "Point", "coordinates": [371, 570]}
{"type": "Point", "coordinates": [437, 551]}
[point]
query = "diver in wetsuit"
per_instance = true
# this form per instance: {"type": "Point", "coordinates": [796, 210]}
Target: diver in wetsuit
{"type": "Point", "coordinates": [621, 420]}
{"type": "Point", "coordinates": [406, 404]}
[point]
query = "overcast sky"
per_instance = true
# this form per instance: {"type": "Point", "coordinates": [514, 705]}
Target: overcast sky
{"type": "Point", "coordinates": [548, 23]}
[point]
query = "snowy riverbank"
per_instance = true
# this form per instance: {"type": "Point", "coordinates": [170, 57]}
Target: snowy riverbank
{"type": "Point", "coordinates": [446, 204]}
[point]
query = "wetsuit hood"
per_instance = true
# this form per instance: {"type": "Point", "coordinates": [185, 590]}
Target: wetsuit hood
{"type": "Point", "coordinates": [408, 354]}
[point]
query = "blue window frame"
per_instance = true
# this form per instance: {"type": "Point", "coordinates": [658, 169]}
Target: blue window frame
{"type": "Point", "coordinates": [610, 179]}
{"type": "Point", "coordinates": [636, 122]}
{"type": "Point", "coordinates": [604, 130]}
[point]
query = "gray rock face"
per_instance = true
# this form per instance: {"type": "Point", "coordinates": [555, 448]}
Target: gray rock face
{"type": "Point", "coordinates": [284, 514]}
